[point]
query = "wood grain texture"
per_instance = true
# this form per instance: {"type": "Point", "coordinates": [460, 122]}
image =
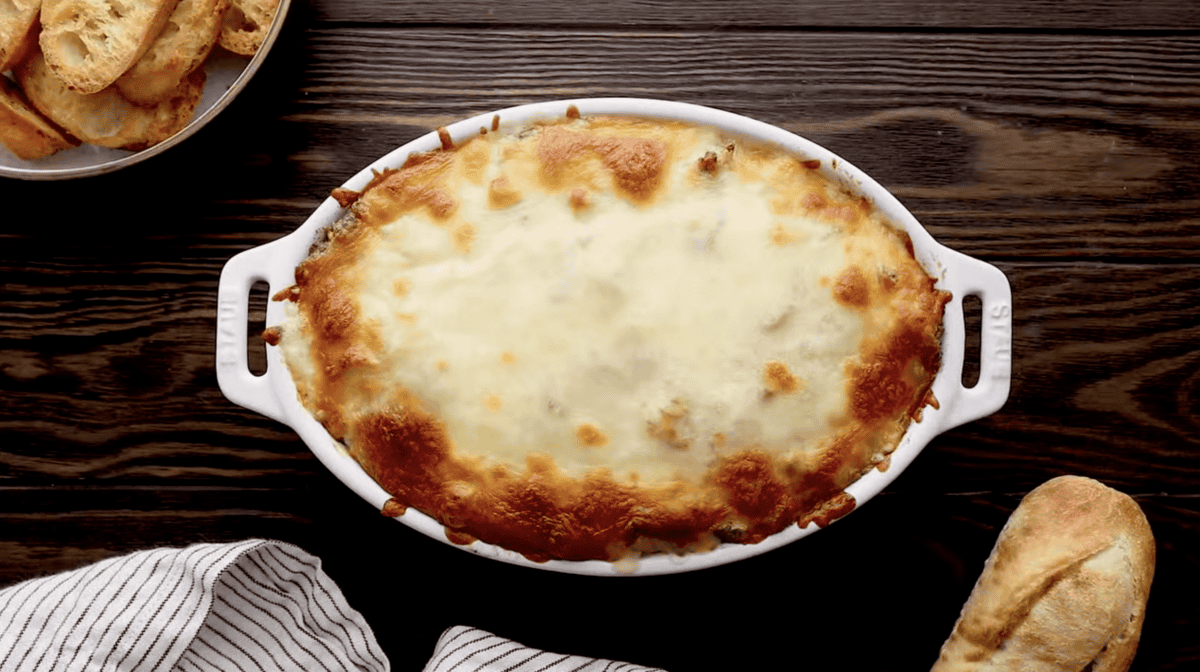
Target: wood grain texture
{"type": "Point", "coordinates": [1024, 15]}
{"type": "Point", "coordinates": [1050, 147]}
{"type": "Point", "coordinates": [1046, 147]}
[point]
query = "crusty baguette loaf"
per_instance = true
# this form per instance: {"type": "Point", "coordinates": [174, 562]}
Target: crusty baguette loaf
{"type": "Point", "coordinates": [190, 34]}
{"type": "Point", "coordinates": [246, 25]}
{"type": "Point", "coordinates": [106, 118]}
{"type": "Point", "coordinates": [88, 44]}
{"type": "Point", "coordinates": [23, 131]}
{"type": "Point", "coordinates": [1065, 587]}
{"type": "Point", "coordinates": [18, 30]}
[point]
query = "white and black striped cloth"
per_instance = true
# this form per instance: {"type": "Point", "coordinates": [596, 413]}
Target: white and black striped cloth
{"type": "Point", "coordinates": [463, 649]}
{"type": "Point", "coordinates": [251, 606]}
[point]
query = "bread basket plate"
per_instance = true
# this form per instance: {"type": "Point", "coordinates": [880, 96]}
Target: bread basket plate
{"type": "Point", "coordinates": [226, 75]}
{"type": "Point", "coordinates": [273, 394]}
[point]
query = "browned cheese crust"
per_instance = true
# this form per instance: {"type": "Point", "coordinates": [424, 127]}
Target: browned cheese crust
{"type": "Point", "coordinates": [538, 509]}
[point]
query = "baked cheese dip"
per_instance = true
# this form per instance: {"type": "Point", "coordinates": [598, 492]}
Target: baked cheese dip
{"type": "Point", "coordinates": [600, 337]}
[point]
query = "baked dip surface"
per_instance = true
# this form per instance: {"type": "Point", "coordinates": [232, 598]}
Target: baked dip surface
{"type": "Point", "coordinates": [607, 336]}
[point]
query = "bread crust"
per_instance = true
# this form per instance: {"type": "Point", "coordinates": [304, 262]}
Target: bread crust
{"type": "Point", "coordinates": [18, 32]}
{"type": "Point", "coordinates": [1065, 587]}
{"type": "Point", "coordinates": [106, 118]}
{"type": "Point", "coordinates": [88, 44]}
{"type": "Point", "coordinates": [25, 132]}
{"type": "Point", "coordinates": [189, 36]}
{"type": "Point", "coordinates": [246, 25]}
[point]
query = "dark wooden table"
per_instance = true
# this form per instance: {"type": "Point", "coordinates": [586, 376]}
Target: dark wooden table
{"type": "Point", "coordinates": [1059, 141]}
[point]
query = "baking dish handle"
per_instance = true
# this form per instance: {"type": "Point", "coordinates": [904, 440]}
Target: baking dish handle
{"type": "Point", "coordinates": [236, 381]}
{"type": "Point", "coordinates": [973, 277]}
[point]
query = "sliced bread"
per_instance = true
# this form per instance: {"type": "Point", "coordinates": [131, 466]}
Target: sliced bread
{"type": "Point", "coordinates": [18, 30]}
{"type": "Point", "coordinates": [88, 44]}
{"type": "Point", "coordinates": [189, 36]}
{"type": "Point", "coordinates": [106, 118]}
{"type": "Point", "coordinates": [23, 131]}
{"type": "Point", "coordinates": [246, 25]}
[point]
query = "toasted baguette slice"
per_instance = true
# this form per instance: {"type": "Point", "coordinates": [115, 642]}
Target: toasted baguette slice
{"type": "Point", "coordinates": [106, 118]}
{"type": "Point", "coordinates": [190, 34]}
{"type": "Point", "coordinates": [88, 44]}
{"type": "Point", "coordinates": [25, 132]}
{"type": "Point", "coordinates": [246, 25]}
{"type": "Point", "coordinates": [1065, 587]}
{"type": "Point", "coordinates": [18, 30]}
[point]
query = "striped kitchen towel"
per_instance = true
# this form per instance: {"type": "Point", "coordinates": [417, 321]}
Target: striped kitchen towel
{"type": "Point", "coordinates": [251, 605]}
{"type": "Point", "coordinates": [255, 605]}
{"type": "Point", "coordinates": [463, 649]}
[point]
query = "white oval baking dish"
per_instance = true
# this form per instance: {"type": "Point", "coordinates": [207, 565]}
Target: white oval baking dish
{"type": "Point", "coordinates": [273, 394]}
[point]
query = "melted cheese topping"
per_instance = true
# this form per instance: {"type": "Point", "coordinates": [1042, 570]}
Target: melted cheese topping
{"type": "Point", "coordinates": [605, 330]}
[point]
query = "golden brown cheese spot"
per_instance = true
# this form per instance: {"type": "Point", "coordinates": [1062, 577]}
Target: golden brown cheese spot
{"type": "Point", "coordinates": [708, 163]}
{"type": "Point", "coordinates": [811, 164]}
{"type": "Point", "coordinates": [887, 459]}
{"type": "Point", "coordinates": [401, 287]}
{"type": "Point", "coordinates": [414, 185]}
{"type": "Point", "coordinates": [439, 201]}
{"type": "Point", "coordinates": [851, 288]}
{"type": "Point", "coordinates": [271, 335]}
{"type": "Point", "coordinates": [837, 506]}
{"type": "Point", "coordinates": [876, 391]}
{"type": "Point", "coordinates": [464, 238]}
{"type": "Point", "coordinates": [781, 235]}
{"type": "Point", "coordinates": [474, 158]}
{"type": "Point", "coordinates": [507, 358]}
{"type": "Point", "coordinates": [557, 146]}
{"type": "Point", "coordinates": [459, 537]}
{"type": "Point", "coordinates": [888, 280]}
{"type": "Point", "coordinates": [291, 293]}
{"type": "Point", "coordinates": [590, 435]}
{"type": "Point", "coordinates": [844, 213]}
{"type": "Point", "coordinates": [353, 357]}
{"type": "Point", "coordinates": [803, 202]}
{"type": "Point", "coordinates": [495, 123]}
{"type": "Point", "coordinates": [669, 428]}
{"type": "Point", "coordinates": [456, 502]}
{"type": "Point", "coordinates": [637, 163]}
{"type": "Point", "coordinates": [896, 370]}
{"type": "Point", "coordinates": [406, 449]}
{"type": "Point", "coordinates": [572, 112]}
{"type": "Point", "coordinates": [502, 194]}
{"type": "Point", "coordinates": [880, 388]}
{"type": "Point", "coordinates": [847, 213]}
{"type": "Point", "coordinates": [345, 197]}
{"type": "Point", "coordinates": [335, 313]}
{"type": "Point", "coordinates": [755, 489]}
{"type": "Point", "coordinates": [580, 200]}
{"type": "Point", "coordinates": [779, 379]}
{"type": "Point", "coordinates": [443, 365]}
{"type": "Point", "coordinates": [445, 139]}
{"type": "Point", "coordinates": [492, 403]}
{"type": "Point", "coordinates": [393, 509]}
